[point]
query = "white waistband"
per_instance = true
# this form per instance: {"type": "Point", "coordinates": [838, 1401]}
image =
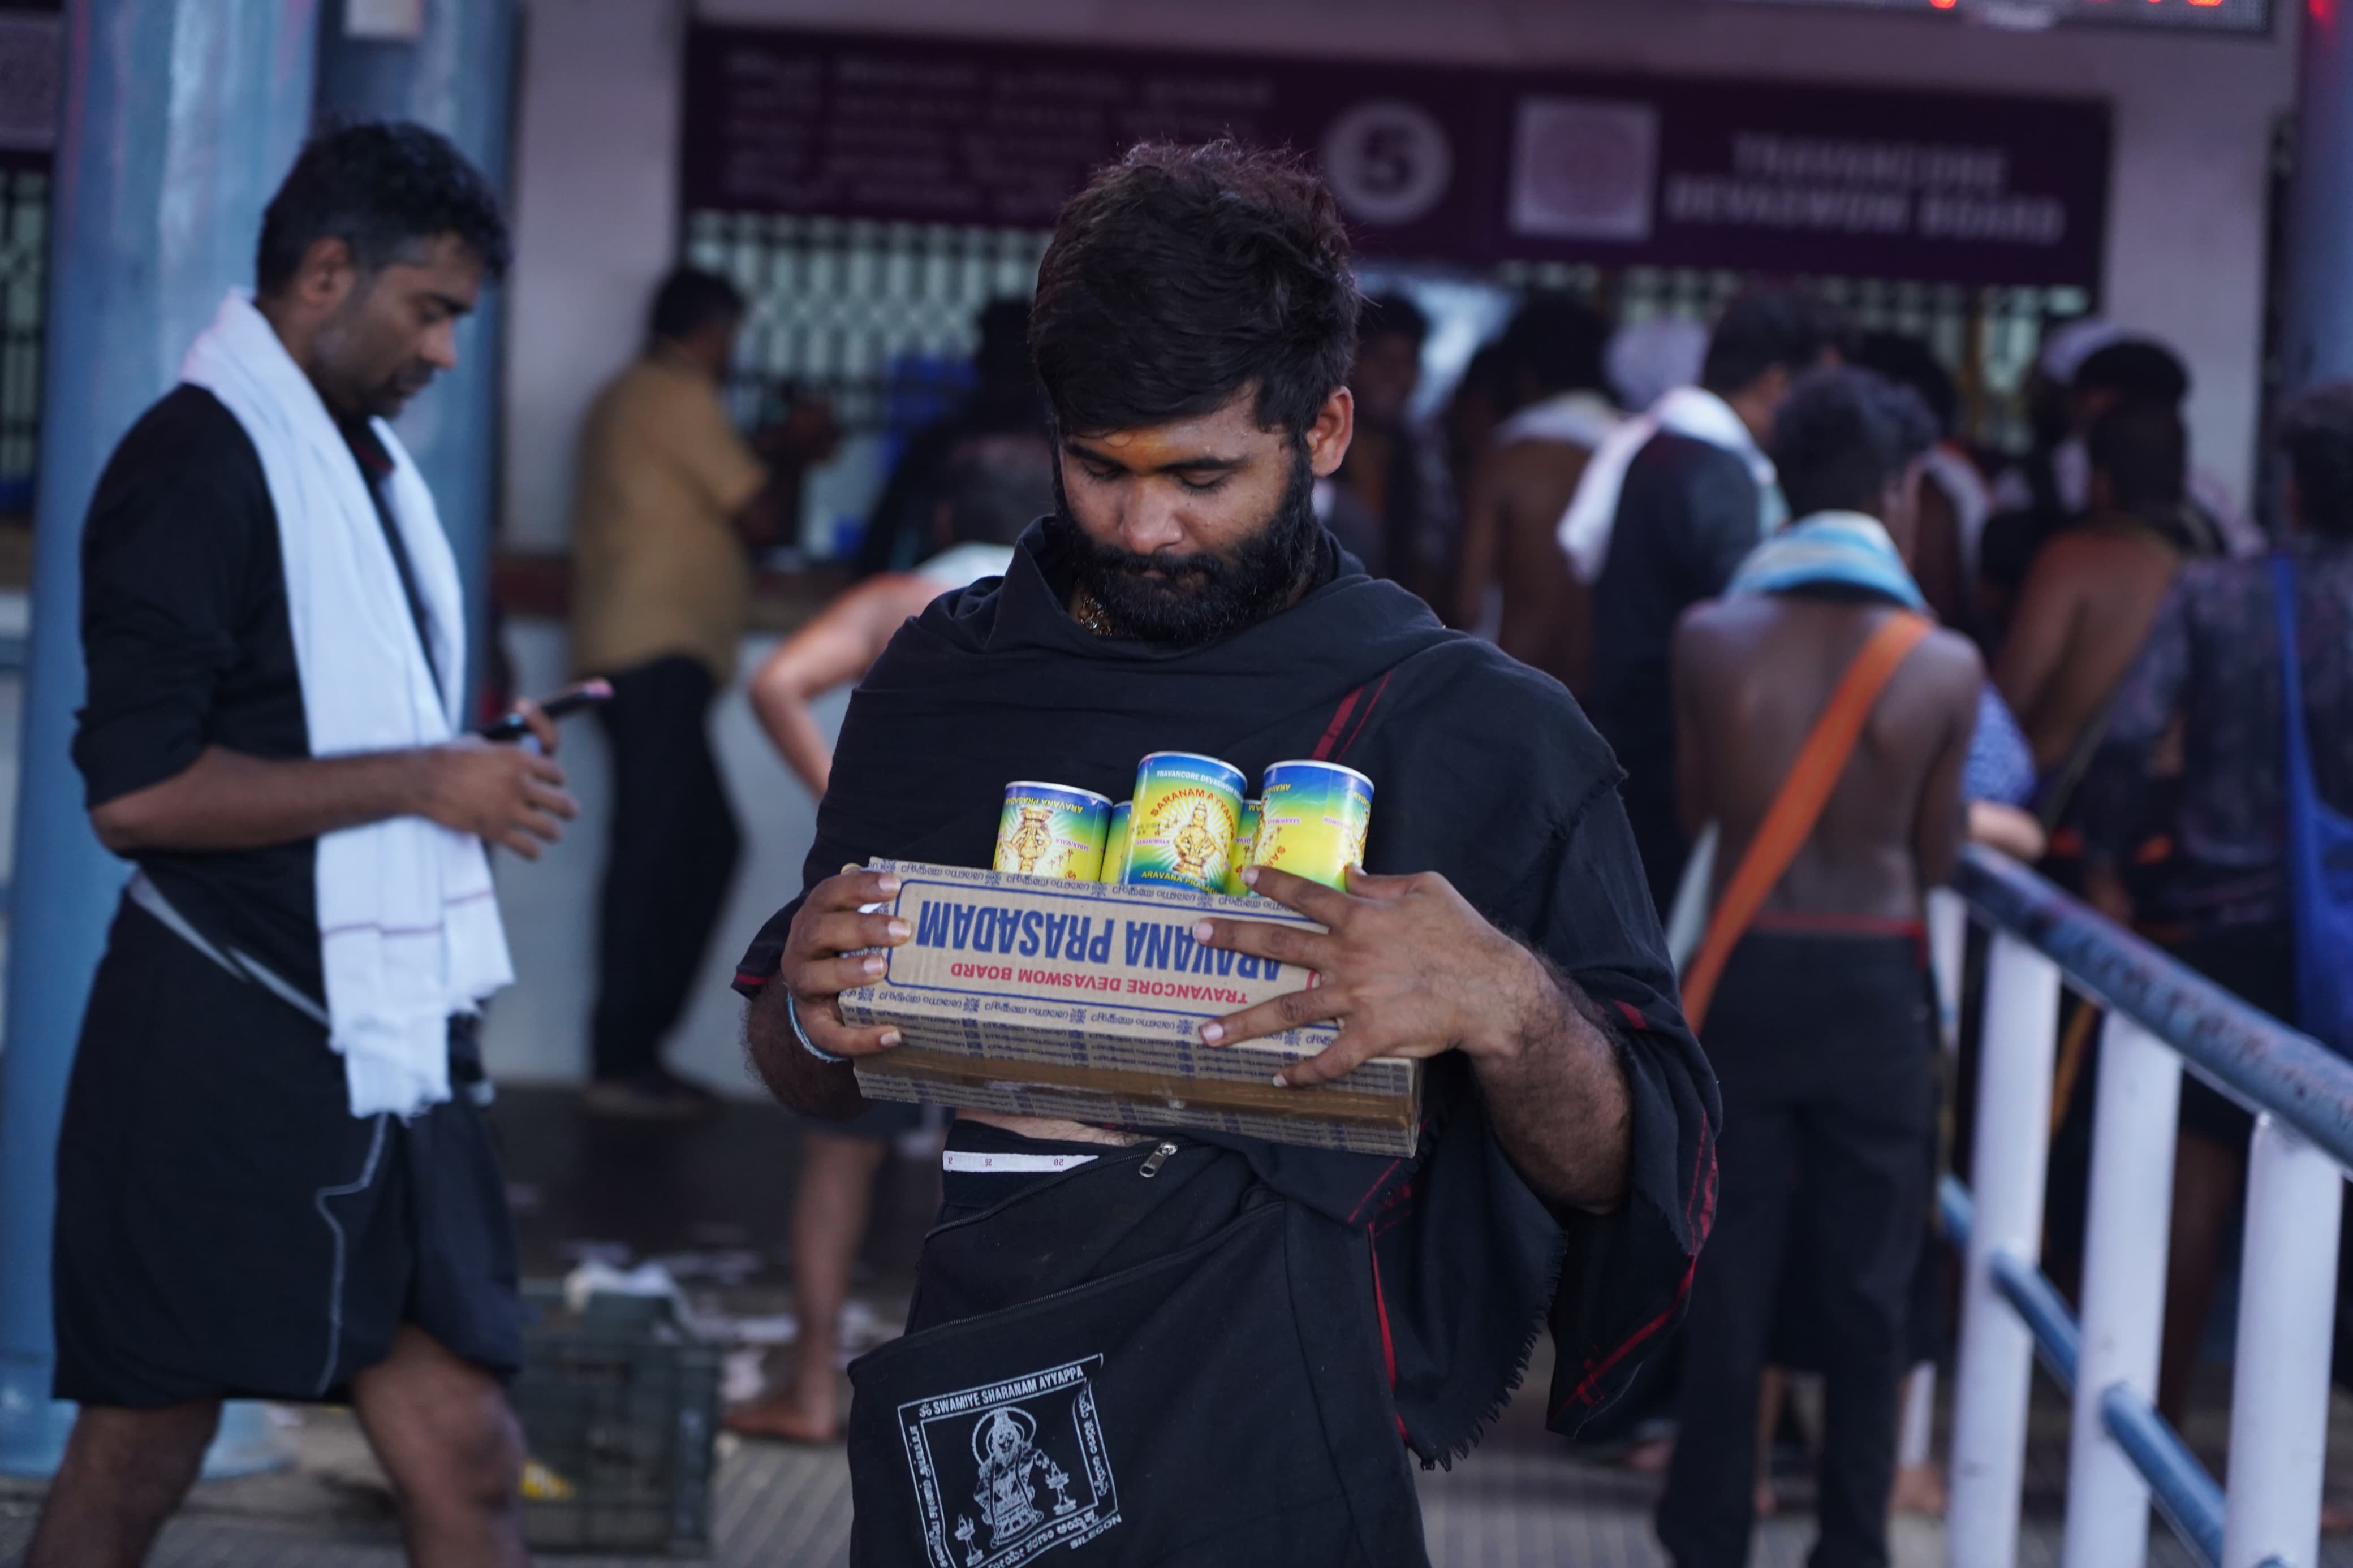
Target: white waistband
{"type": "Point", "coordinates": [968, 1161]}
{"type": "Point", "coordinates": [149, 897]}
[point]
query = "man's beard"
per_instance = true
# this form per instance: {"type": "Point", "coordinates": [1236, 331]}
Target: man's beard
{"type": "Point", "coordinates": [388, 397]}
{"type": "Point", "coordinates": [349, 370]}
{"type": "Point", "coordinates": [1201, 597]}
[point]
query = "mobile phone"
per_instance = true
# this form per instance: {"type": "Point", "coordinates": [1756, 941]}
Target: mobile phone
{"type": "Point", "coordinates": [573, 698]}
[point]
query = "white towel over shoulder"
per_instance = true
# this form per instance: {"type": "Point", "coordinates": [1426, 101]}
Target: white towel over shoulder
{"type": "Point", "coordinates": [1580, 418]}
{"type": "Point", "coordinates": [408, 921]}
{"type": "Point", "coordinates": [1689, 410]}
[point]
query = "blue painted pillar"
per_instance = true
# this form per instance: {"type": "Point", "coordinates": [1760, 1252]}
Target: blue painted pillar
{"type": "Point", "coordinates": [179, 119]}
{"type": "Point", "coordinates": [2316, 340]}
{"type": "Point", "coordinates": [458, 76]}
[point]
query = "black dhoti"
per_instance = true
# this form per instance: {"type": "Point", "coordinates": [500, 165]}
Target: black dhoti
{"type": "Point", "coordinates": [1823, 1048]}
{"type": "Point", "coordinates": [226, 1228]}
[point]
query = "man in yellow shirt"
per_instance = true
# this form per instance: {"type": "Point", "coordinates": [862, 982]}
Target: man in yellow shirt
{"type": "Point", "coordinates": [669, 502]}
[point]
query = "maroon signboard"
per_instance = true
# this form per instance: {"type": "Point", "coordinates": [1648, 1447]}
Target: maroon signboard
{"type": "Point", "coordinates": [1773, 178]}
{"type": "Point", "coordinates": [936, 131]}
{"type": "Point", "coordinates": [1451, 163]}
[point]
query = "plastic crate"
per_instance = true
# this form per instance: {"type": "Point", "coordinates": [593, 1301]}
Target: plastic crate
{"type": "Point", "coordinates": [619, 1406]}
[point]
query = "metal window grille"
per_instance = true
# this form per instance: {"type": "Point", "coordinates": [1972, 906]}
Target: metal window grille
{"type": "Point", "coordinates": [24, 249]}
{"type": "Point", "coordinates": [877, 316]}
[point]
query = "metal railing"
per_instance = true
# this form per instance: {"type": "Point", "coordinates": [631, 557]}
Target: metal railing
{"type": "Point", "coordinates": [2122, 1456]}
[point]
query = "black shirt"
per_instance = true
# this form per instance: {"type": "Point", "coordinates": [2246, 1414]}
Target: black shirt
{"type": "Point", "coordinates": [1686, 518]}
{"type": "Point", "coordinates": [188, 644]}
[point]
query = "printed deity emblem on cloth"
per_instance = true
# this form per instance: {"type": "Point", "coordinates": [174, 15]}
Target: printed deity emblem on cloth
{"type": "Point", "coordinates": [1039, 1476]}
{"type": "Point", "coordinates": [1007, 1452]}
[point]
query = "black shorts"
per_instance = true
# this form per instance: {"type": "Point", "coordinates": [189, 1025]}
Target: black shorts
{"type": "Point", "coordinates": [226, 1228]}
{"type": "Point", "coordinates": [1835, 1024]}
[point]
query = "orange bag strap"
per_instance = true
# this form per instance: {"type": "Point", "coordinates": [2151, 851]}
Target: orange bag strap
{"type": "Point", "coordinates": [1799, 805]}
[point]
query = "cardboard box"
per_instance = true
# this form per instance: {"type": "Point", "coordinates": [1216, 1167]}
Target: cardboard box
{"type": "Point", "coordinates": [1039, 998]}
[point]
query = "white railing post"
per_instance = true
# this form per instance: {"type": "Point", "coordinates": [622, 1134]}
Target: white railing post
{"type": "Point", "coordinates": [1996, 1359]}
{"type": "Point", "coordinates": [2124, 1246]}
{"type": "Point", "coordinates": [1948, 945]}
{"type": "Point", "coordinates": [1916, 1431]}
{"type": "Point", "coordinates": [2279, 1401]}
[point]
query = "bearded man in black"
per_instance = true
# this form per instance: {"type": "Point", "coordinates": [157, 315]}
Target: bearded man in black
{"type": "Point", "coordinates": [1194, 1348]}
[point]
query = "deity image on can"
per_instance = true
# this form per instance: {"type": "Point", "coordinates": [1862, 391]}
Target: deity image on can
{"type": "Point", "coordinates": [1115, 860]}
{"type": "Point", "coordinates": [1051, 830]}
{"type": "Point", "coordinates": [1245, 845]}
{"type": "Point", "coordinates": [1312, 820]}
{"type": "Point", "coordinates": [1182, 823]}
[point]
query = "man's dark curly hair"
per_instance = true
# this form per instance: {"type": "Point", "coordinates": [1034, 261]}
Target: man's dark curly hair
{"type": "Point", "coordinates": [384, 188]}
{"type": "Point", "coordinates": [2315, 429]}
{"type": "Point", "coordinates": [2142, 449]}
{"type": "Point", "coordinates": [1843, 435]}
{"type": "Point", "coordinates": [1784, 326]}
{"type": "Point", "coordinates": [1183, 274]}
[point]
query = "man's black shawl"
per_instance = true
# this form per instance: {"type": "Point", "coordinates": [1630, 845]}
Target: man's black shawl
{"type": "Point", "coordinates": [1483, 771]}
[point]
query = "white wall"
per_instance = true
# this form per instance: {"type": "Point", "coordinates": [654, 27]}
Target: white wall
{"type": "Point", "coordinates": [537, 1031]}
{"type": "Point", "coordinates": [596, 225]}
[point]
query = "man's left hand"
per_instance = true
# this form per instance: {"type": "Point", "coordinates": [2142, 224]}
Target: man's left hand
{"type": "Point", "coordinates": [1407, 968]}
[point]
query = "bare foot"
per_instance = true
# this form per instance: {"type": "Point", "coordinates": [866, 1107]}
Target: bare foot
{"type": "Point", "coordinates": [782, 1417]}
{"type": "Point", "coordinates": [1919, 1488]}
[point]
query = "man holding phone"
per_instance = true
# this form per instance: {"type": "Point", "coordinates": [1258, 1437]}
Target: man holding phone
{"type": "Point", "coordinates": [274, 1179]}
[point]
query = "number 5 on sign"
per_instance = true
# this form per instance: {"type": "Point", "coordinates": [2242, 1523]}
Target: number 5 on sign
{"type": "Point", "coordinates": [1387, 162]}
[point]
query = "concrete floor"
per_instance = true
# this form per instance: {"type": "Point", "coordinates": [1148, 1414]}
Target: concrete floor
{"type": "Point", "coordinates": [1521, 1501]}
{"type": "Point", "coordinates": [712, 1200]}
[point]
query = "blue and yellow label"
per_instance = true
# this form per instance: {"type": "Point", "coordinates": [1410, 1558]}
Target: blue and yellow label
{"type": "Point", "coordinates": [1182, 822]}
{"type": "Point", "coordinates": [1114, 859]}
{"type": "Point", "coordinates": [1245, 845]}
{"type": "Point", "coordinates": [1051, 830]}
{"type": "Point", "coordinates": [1312, 820]}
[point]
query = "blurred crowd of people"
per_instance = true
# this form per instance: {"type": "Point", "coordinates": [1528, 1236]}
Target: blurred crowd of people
{"type": "Point", "coordinates": [1598, 486]}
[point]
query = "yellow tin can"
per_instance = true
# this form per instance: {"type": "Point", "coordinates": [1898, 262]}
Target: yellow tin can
{"type": "Point", "coordinates": [1115, 860]}
{"type": "Point", "coordinates": [1313, 817]}
{"type": "Point", "coordinates": [1051, 830]}
{"type": "Point", "coordinates": [1181, 828]}
{"type": "Point", "coordinates": [1245, 845]}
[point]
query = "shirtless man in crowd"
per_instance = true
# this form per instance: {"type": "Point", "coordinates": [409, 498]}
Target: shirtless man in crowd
{"type": "Point", "coordinates": [987, 490]}
{"type": "Point", "coordinates": [2094, 591]}
{"type": "Point", "coordinates": [1820, 1031]}
{"type": "Point", "coordinates": [1523, 483]}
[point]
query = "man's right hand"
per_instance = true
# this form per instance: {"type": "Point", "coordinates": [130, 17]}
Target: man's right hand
{"type": "Point", "coordinates": [821, 958]}
{"type": "Point", "coordinates": [507, 796]}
